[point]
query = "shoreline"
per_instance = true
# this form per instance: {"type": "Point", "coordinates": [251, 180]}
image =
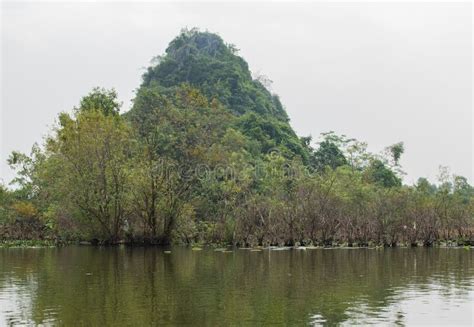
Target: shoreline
{"type": "Point", "coordinates": [224, 247]}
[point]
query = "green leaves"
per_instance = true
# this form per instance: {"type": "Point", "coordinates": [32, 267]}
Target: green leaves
{"type": "Point", "coordinates": [379, 174]}
{"type": "Point", "coordinates": [90, 155]}
{"type": "Point", "coordinates": [205, 62]}
{"type": "Point", "coordinates": [102, 100]}
{"type": "Point", "coordinates": [328, 155]}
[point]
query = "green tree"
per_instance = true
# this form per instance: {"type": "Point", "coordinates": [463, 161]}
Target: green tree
{"type": "Point", "coordinates": [380, 174]}
{"type": "Point", "coordinates": [91, 154]}
{"type": "Point", "coordinates": [329, 153]}
{"type": "Point", "coordinates": [101, 99]}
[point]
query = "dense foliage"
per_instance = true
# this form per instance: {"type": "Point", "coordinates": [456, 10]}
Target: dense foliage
{"type": "Point", "coordinates": [205, 62]}
{"type": "Point", "coordinates": [207, 155]}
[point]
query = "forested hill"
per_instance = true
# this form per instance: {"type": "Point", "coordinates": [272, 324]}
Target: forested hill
{"type": "Point", "coordinates": [207, 155]}
{"type": "Point", "coordinates": [203, 61]}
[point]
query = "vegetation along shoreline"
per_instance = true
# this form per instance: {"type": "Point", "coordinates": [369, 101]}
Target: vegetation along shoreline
{"type": "Point", "coordinates": [207, 156]}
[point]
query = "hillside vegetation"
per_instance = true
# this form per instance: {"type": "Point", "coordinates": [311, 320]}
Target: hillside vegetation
{"type": "Point", "coordinates": [207, 155]}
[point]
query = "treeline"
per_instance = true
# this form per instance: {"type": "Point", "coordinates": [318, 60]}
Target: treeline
{"type": "Point", "coordinates": [207, 155]}
{"type": "Point", "coordinates": [184, 173]}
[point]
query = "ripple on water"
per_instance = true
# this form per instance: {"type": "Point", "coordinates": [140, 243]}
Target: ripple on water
{"type": "Point", "coordinates": [415, 305]}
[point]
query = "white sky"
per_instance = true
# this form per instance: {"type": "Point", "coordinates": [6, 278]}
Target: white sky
{"type": "Point", "coordinates": [379, 72]}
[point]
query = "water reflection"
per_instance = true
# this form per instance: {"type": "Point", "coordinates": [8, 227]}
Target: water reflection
{"type": "Point", "coordinates": [145, 286]}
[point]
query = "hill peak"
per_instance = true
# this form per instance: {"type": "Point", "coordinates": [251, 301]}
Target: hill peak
{"type": "Point", "coordinates": [205, 61]}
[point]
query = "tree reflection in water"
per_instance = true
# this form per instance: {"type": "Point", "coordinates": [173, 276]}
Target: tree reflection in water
{"type": "Point", "coordinates": [145, 286]}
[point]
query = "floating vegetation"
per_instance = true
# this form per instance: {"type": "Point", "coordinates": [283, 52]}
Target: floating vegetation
{"type": "Point", "coordinates": [283, 248]}
{"type": "Point", "coordinates": [27, 243]}
{"type": "Point", "coordinates": [313, 247]}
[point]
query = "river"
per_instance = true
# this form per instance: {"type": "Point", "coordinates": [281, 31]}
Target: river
{"type": "Point", "coordinates": [124, 286]}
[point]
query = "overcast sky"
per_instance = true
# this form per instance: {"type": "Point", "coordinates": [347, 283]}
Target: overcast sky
{"type": "Point", "coordinates": [379, 72]}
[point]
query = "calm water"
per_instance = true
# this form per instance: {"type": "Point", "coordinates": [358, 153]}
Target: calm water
{"type": "Point", "coordinates": [87, 286]}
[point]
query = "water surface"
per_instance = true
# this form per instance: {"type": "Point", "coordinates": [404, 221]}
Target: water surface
{"type": "Point", "coordinates": [89, 286]}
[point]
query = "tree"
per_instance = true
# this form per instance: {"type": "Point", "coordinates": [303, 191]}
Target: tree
{"type": "Point", "coordinates": [380, 174]}
{"type": "Point", "coordinates": [396, 150]}
{"type": "Point", "coordinates": [91, 155]}
{"type": "Point", "coordinates": [329, 153]}
{"type": "Point", "coordinates": [26, 168]}
{"type": "Point", "coordinates": [180, 134]}
{"type": "Point", "coordinates": [101, 99]}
